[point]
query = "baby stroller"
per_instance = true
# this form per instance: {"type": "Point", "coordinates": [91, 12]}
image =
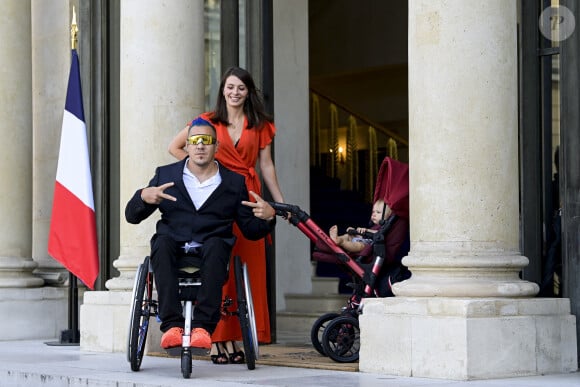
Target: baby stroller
{"type": "Point", "coordinates": [337, 335]}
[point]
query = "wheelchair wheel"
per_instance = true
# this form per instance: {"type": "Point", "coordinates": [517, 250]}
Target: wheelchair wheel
{"type": "Point", "coordinates": [318, 330]}
{"type": "Point", "coordinates": [186, 363]}
{"type": "Point", "coordinates": [341, 339]}
{"type": "Point", "coordinates": [251, 313]}
{"type": "Point", "coordinates": [246, 313]}
{"type": "Point", "coordinates": [140, 313]}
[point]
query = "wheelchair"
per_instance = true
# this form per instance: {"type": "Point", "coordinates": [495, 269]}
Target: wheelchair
{"type": "Point", "coordinates": [144, 306]}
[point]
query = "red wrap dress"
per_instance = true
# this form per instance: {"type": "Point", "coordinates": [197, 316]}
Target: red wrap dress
{"type": "Point", "coordinates": [242, 158]}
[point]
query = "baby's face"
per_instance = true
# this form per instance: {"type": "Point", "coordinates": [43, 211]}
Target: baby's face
{"type": "Point", "coordinates": [377, 214]}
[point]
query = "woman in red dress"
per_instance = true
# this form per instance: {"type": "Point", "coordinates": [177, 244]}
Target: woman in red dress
{"type": "Point", "coordinates": [245, 133]}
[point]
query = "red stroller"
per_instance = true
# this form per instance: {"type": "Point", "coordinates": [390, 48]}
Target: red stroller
{"type": "Point", "coordinates": [337, 335]}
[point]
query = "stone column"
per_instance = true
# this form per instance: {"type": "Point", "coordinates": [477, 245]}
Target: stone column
{"type": "Point", "coordinates": [16, 264]}
{"type": "Point", "coordinates": [162, 87]}
{"type": "Point", "coordinates": [463, 131]}
{"type": "Point", "coordinates": [51, 56]}
{"type": "Point", "coordinates": [21, 293]}
{"type": "Point", "coordinates": [465, 313]}
{"type": "Point", "coordinates": [293, 273]}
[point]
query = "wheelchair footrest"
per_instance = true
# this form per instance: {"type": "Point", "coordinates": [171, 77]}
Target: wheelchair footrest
{"type": "Point", "coordinates": [176, 351]}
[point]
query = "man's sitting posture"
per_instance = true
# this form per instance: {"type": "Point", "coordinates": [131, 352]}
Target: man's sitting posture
{"type": "Point", "coordinates": [199, 200]}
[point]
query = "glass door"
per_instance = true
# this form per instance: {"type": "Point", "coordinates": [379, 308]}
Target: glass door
{"type": "Point", "coordinates": [551, 29]}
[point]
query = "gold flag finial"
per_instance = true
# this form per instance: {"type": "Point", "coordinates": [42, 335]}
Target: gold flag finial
{"type": "Point", "coordinates": [74, 30]}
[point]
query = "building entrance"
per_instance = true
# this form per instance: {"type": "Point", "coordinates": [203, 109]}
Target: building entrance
{"type": "Point", "coordinates": [549, 138]}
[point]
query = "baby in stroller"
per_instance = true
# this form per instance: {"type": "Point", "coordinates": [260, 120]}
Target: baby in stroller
{"type": "Point", "coordinates": [353, 240]}
{"type": "Point", "coordinates": [389, 218]}
{"type": "Point", "coordinates": [359, 243]}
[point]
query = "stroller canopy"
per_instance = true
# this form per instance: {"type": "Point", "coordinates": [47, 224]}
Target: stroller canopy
{"type": "Point", "coordinates": [393, 186]}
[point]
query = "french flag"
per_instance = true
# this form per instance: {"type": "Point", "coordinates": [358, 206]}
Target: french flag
{"type": "Point", "coordinates": [72, 239]}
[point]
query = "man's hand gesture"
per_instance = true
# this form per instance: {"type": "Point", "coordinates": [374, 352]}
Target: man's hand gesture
{"type": "Point", "coordinates": [155, 195]}
{"type": "Point", "coordinates": [260, 208]}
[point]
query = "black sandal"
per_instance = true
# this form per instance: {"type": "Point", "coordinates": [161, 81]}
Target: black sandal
{"type": "Point", "coordinates": [221, 357]}
{"type": "Point", "coordinates": [238, 357]}
{"type": "Point", "coordinates": [235, 357]}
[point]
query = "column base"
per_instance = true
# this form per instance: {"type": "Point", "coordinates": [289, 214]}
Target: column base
{"type": "Point", "coordinates": [104, 323]}
{"type": "Point", "coordinates": [465, 339]}
{"type": "Point", "coordinates": [53, 277]}
{"type": "Point", "coordinates": [33, 313]}
{"type": "Point", "coordinates": [16, 272]}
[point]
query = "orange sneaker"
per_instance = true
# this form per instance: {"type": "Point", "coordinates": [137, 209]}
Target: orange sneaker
{"type": "Point", "coordinates": [200, 338]}
{"type": "Point", "coordinates": [172, 338]}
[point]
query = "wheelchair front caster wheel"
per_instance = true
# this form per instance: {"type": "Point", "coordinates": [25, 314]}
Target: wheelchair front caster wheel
{"type": "Point", "coordinates": [186, 364]}
{"type": "Point", "coordinates": [341, 339]}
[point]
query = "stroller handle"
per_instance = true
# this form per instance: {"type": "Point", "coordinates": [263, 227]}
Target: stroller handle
{"type": "Point", "coordinates": [366, 234]}
{"type": "Point", "coordinates": [379, 235]}
{"type": "Point", "coordinates": [283, 209]}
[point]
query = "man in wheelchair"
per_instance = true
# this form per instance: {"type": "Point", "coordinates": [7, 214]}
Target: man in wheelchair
{"type": "Point", "coordinates": [199, 200]}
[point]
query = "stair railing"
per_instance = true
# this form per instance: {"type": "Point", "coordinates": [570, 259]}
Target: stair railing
{"type": "Point", "coordinates": [338, 134]}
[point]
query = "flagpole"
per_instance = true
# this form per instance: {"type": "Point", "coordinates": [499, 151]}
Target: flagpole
{"type": "Point", "coordinates": [73, 31]}
{"type": "Point", "coordinates": [71, 336]}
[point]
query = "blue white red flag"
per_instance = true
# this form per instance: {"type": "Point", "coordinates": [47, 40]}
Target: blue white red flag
{"type": "Point", "coordinates": [72, 239]}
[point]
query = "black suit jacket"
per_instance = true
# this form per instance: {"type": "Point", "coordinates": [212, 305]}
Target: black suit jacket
{"type": "Point", "coordinates": [182, 221]}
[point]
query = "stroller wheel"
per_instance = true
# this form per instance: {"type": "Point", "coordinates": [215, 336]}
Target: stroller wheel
{"type": "Point", "coordinates": [318, 329]}
{"type": "Point", "coordinates": [341, 339]}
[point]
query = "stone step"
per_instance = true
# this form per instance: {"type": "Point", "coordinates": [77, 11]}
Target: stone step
{"type": "Point", "coordinates": [325, 285]}
{"type": "Point", "coordinates": [296, 324]}
{"type": "Point", "coordinates": [315, 302]}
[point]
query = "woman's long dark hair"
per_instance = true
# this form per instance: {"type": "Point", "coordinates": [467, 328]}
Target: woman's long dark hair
{"type": "Point", "coordinates": [253, 105]}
